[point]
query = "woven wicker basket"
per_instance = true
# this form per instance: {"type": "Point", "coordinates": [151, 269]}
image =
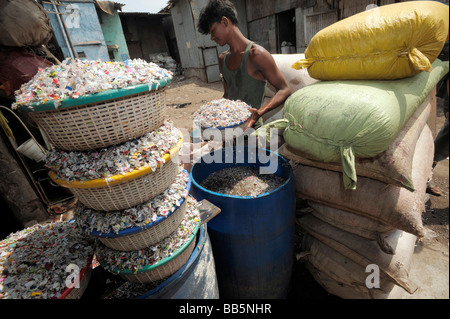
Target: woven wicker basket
{"type": "Point", "coordinates": [165, 267]}
{"type": "Point", "coordinates": [124, 191]}
{"type": "Point", "coordinates": [104, 119]}
{"type": "Point", "coordinates": [140, 238]}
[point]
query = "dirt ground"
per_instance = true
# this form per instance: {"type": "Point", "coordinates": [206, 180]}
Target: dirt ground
{"type": "Point", "coordinates": [435, 218]}
{"type": "Point", "coordinates": [193, 91]}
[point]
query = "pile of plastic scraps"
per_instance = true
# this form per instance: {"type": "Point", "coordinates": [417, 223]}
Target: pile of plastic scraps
{"type": "Point", "coordinates": [138, 216]}
{"type": "Point", "coordinates": [34, 261]}
{"type": "Point", "coordinates": [165, 61]}
{"type": "Point", "coordinates": [133, 290]}
{"type": "Point", "coordinates": [222, 113]}
{"type": "Point", "coordinates": [75, 78]}
{"type": "Point", "coordinates": [148, 150]}
{"type": "Point", "coordinates": [116, 261]}
{"type": "Point", "coordinates": [242, 181]}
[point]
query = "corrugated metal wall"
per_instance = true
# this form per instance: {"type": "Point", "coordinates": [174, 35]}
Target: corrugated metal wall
{"type": "Point", "coordinates": [144, 34]}
{"type": "Point", "coordinates": [186, 34]}
{"type": "Point", "coordinates": [261, 20]}
{"type": "Point", "coordinates": [310, 17]}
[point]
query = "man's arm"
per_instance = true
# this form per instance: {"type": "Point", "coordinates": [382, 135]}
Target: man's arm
{"type": "Point", "coordinates": [263, 66]}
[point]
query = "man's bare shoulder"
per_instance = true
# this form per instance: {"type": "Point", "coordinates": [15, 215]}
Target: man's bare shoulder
{"type": "Point", "coordinates": [260, 56]}
{"type": "Point", "coordinates": [257, 51]}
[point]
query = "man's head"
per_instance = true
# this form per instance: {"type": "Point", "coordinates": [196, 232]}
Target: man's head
{"type": "Point", "coordinates": [214, 12]}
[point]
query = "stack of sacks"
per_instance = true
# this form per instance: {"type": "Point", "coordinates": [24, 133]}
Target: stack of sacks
{"type": "Point", "coordinates": [361, 150]}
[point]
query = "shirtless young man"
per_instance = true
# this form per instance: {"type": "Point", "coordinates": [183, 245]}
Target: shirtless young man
{"type": "Point", "coordinates": [247, 66]}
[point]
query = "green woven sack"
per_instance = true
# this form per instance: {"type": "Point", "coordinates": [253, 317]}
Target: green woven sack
{"type": "Point", "coordinates": [336, 121]}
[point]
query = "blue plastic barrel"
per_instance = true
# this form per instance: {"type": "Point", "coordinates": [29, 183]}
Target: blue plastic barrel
{"type": "Point", "coordinates": [252, 238]}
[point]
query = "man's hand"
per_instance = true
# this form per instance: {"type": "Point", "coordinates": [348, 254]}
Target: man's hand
{"type": "Point", "coordinates": [253, 118]}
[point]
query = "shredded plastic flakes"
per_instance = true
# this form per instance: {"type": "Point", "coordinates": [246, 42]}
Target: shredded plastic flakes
{"type": "Point", "coordinates": [34, 261]}
{"type": "Point", "coordinates": [136, 260]}
{"type": "Point", "coordinates": [120, 159]}
{"type": "Point", "coordinates": [137, 216]}
{"type": "Point", "coordinates": [222, 113]}
{"type": "Point", "coordinates": [132, 290]}
{"type": "Point", "coordinates": [242, 181]}
{"type": "Point", "coordinates": [74, 78]}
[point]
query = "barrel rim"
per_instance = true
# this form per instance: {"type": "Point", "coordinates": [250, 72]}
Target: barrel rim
{"type": "Point", "coordinates": [290, 177]}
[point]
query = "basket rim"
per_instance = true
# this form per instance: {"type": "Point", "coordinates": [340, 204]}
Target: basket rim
{"type": "Point", "coordinates": [94, 98]}
{"type": "Point", "coordinates": [225, 127]}
{"type": "Point", "coordinates": [68, 290]}
{"type": "Point", "coordinates": [162, 261]}
{"type": "Point", "coordinates": [133, 230]}
{"type": "Point", "coordinates": [116, 179]}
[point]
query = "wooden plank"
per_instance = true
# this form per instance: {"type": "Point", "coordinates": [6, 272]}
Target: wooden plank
{"type": "Point", "coordinates": [207, 211]}
{"type": "Point", "coordinates": [93, 42]}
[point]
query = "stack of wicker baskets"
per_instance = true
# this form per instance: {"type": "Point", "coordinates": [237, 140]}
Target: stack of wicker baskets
{"type": "Point", "coordinates": [103, 120]}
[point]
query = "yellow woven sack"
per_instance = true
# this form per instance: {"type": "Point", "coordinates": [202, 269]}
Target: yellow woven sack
{"type": "Point", "coordinates": [385, 43]}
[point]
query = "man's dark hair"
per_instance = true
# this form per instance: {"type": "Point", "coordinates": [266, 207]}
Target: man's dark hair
{"type": "Point", "coordinates": [213, 12]}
